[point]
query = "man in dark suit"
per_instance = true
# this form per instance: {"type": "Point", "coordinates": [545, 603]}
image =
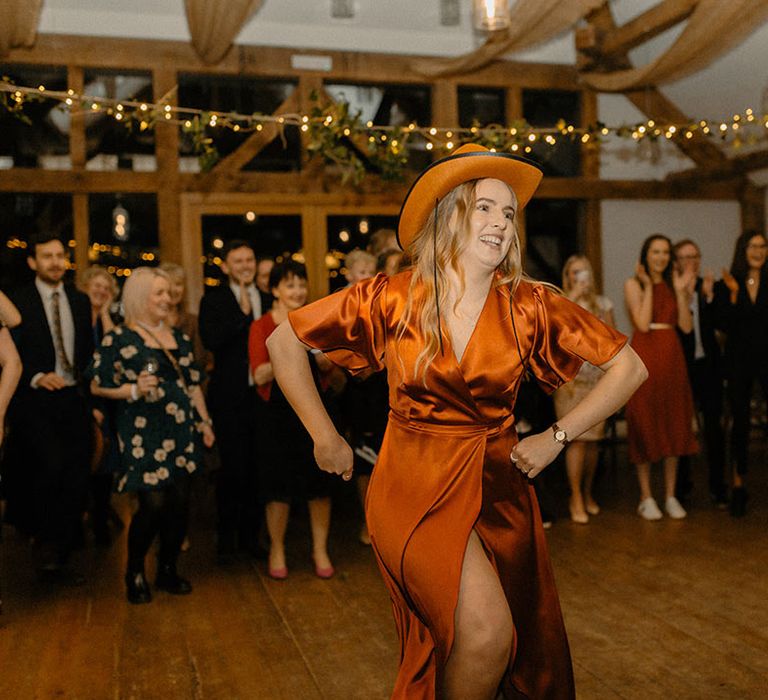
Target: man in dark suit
{"type": "Point", "coordinates": [226, 314]}
{"type": "Point", "coordinates": [705, 369]}
{"type": "Point", "coordinates": [50, 412]}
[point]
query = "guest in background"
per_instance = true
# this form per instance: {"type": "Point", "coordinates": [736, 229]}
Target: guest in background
{"type": "Point", "coordinates": [705, 370]}
{"type": "Point", "coordinates": [147, 368]}
{"type": "Point", "coordinates": [382, 240]}
{"type": "Point", "coordinates": [660, 413]}
{"type": "Point", "coordinates": [264, 265]}
{"type": "Point", "coordinates": [10, 373]}
{"type": "Point", "coordinates": [742, 298]}
{"type": "Point", "coordinates": [359, 265]}
{"type": "Point", "coordinates": [102, 291]}
{"type": "Point", "coordinates": [364, 403]}
{"type": "Point", "coordinates": [226, 314]}
{"type": "Point", "coordinates": [286, 461]}
{"type": "Point", "coordinates": [581, 454]}
{"type": "Point", "coordinates": [179, 317]}
{"type": "Point", "coordinates": [50, 413]}
{"type": "Point", "coordinates": [390, 262]}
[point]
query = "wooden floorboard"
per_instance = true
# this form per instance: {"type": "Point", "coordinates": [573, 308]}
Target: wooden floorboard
{"type": "Point", "coordinates": [653, 610]}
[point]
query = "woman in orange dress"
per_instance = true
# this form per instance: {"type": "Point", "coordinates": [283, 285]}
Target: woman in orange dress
{"type": "Point", "coordinates": [660, 414]}
{"type": "Point", "coordinates": [451, 509]}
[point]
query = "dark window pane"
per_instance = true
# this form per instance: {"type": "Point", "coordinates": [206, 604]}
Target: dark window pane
{"type": "Point", "coordinates": [116, 253]}
{"type": "Point", "coordinates": [481, 106]}
{"type": "Point", "coordinates": [553, 233]}
{"type": "Point", "coordinates": [345, 233]}
{"type": "Point", "coordinates": [390, 105]}
{"type": "Point", "coordinates": [44, 142]}
{"type": "Point", "coordinates": [111, 144]}
{"type": "Point", "coordinates": [244, 96]}
{"type": "Point", "coordinates": [275, 236]}
{"type": "Point", "coordinates": [22, 214]}
{"type": "Point", "coordinates": [544, 108]}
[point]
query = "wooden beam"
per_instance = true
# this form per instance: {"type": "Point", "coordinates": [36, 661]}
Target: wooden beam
{"type": "Point", "coordinates": [167, 154]}
{"type": "Point", "coordinates": [740, 165]}
{"type": "Point", "coordinates": [637, 31]}
{"type": "Point", "coordinates": [77, 142]}
{"type": "Point", "coordinates": [593, 239]}
{"type": "Point", "coordinates": [257, 141]}
{"type": "Point", "coordinates": [314, 239]}
{"type": "Point", "coordinates": [81, 233]}
{"type": "Point", "coordinates": [590, 152]}
{"type": "Point", "coordinates": [85, 181]}
{"type": "Point", "coordinates": [273, 62]}
{"type": "Point", "coordinates": [753, 209]}
{"type": "Point", "coordinates": [589, 188]}
{"type": "Point", "coordinates": [445, 103]}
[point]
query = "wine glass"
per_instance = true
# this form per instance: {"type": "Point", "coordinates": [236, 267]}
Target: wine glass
{"type": "Point", "coordinates": [151, 366]}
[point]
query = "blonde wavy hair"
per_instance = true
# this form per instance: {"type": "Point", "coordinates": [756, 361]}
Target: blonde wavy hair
{"type": "Point", "coordinates": [450, 243]}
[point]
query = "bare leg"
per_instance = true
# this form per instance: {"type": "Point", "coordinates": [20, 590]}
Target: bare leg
{"type": "Point", "coordinates": [574, 465]}
{"type": "Point", "coordinates": [644, 479]}
{"type": "Point", "coordinates": [670, 476]}
{"type": "Point", "coordinates": [362, 490]}
{"type": "Point", "coordinates": [320, 523]}
{"type": "Point", "coordinates": [590, 467]}
{"type": "Point", "coordinates": [484, 631]}
{"type": "Point", "coordinates": [277, 522]}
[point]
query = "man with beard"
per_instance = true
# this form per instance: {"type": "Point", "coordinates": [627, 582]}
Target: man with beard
{"type": "Point", "coordinates": [50, 412]}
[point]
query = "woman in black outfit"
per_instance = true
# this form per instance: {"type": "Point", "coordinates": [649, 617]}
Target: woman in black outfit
{"type": "Point", "coordinates": [743, 315]}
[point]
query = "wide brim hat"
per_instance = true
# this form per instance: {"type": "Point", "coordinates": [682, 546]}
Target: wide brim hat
{"type": "Point", "coordinates": [469, 162]}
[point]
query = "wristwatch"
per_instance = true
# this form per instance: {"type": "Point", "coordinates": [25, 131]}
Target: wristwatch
{"type": "Point", "coordinates": [559, 434]}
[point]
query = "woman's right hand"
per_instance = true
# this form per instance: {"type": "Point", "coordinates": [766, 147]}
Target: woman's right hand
{"type": "Point", "coordinates": [642, 276]}
{"type": "Point", "coordinates": [732, 284]}
{"type": "Point", "coordinates": [335, 456]}
{"type": "Point", "coordinates": [146, 383]}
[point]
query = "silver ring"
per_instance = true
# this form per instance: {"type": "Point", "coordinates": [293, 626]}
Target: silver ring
{"type": "Point", "coordinates": [514, 458]}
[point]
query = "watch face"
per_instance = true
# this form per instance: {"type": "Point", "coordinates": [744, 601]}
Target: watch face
{"type": "Point", "coordinates": [560, 435]}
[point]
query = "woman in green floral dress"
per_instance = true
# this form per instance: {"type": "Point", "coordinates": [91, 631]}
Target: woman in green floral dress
{"type": "Point", "coordinates": [147, 368]}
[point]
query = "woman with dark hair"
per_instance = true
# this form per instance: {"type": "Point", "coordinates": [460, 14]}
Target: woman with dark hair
{"type": "Point", "coordinates": [286, 465]}
{"type": "Point", "coordinates": [451, 509]}
{"type": "Point", "coordinates": [742, 299]}
{"type": "Point", "coordinates": [660, 414]}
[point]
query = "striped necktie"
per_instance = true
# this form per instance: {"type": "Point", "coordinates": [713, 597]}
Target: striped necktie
{"type": "Point", "coordinates": [58, 336]}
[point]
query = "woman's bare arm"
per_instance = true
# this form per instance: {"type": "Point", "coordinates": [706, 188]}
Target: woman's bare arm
{"type": "Point", "coordinates": [639, 300]}
{"type": "Point", "coordinates": [290, 365]}
{"type": "Point", "coordinates": [623, 375]}
{"type": "Point", "coordinates": [9, 314]}
{"type": "Point", "coordinates": [9, 379]}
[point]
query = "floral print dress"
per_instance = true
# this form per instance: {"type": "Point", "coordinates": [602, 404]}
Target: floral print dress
{"type": "Point", "coordinates": [156, 437]}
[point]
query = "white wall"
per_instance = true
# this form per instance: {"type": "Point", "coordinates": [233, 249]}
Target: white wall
{"type": "Point", "coordinates": [714, 225]}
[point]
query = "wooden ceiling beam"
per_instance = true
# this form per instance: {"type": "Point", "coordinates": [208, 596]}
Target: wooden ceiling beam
{"type": "Point", "coordinates": [740, 165]}
{"type": "Point", "coordinates": [602, 43]}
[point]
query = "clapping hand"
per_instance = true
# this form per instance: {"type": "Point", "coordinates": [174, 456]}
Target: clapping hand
{"type": "Point", "coordinates": [684, 282]}
{"type": "Point", "coordinates": [732, 284]}
{"type": "Point", "coordinates": [708, 285]}
{"type": "Point", "coordinates": [642, 276]}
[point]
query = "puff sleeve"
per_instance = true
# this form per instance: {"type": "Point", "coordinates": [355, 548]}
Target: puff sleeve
{"type": "Point", "coordinates": [348, 326]}
{"type": "Point", "coordinates": [106, 366]}
{"type": "Point", "coordinates": [565, 336]}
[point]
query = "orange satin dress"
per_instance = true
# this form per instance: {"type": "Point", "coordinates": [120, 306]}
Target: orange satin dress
{"type": "Point", "coordinates": [444, 467]}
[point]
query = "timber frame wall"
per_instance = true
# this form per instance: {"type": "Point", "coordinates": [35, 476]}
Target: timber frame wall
{"type": "Point", "coordinates": [183, 199]}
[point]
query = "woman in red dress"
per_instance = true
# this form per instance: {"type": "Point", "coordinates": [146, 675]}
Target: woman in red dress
{"type": "Point", "coordinates": [660, 414]}
{"type": "Point", "coordinates": [454, 525]}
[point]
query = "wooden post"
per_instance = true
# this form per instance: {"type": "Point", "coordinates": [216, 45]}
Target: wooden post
{"type": "Point", "coordinates": [77, 144]}
{"type": "Point", "coordinates": [314, 236]}
{"type": "Point", "coordinates": [167, 154]}
{"type": "Point", "coordinates": [81, 232]}
{"type": "Point", "coordinates": [513, 105]}
{"type": "Point", "coordinates": [445, 104]}
{"type": "Point", "coordinates": [192, 252]}
{"type": "Point", "coordinates": [753, 208]}
{"type": "Point", "coordinates": [593, 239]}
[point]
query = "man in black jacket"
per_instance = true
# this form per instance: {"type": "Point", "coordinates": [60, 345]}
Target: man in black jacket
{"type": "Point", "coordinates": [705, 369]}
{"type": "Point", "coordinates": [50, 413]}
{"type": "Point", "coordinates": [226, 314]}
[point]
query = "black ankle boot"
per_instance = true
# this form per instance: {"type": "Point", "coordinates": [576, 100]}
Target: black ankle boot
{"type": "Point", "coordinates": [168, 580]}
{"type": "Point", "coordinates": [137, 588]}
{"type": "Point", "coordinates": [739, 497]}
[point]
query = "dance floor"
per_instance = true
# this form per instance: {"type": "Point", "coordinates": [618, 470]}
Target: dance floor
{"type": "Point", "coordinates": [653, 610]}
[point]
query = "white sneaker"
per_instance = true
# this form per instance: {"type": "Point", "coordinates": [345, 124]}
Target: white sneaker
{"type": "Point", "coordinates": [674, 509]}
{"type": "Point", "coordinates": [649, 510]}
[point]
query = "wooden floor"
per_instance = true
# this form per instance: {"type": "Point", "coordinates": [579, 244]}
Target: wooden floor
{"type": "Point", "coordinates": [653, 610]}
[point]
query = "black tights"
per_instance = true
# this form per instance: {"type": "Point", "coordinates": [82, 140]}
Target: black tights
{"type": "Point", "coordinates": [164, 511]}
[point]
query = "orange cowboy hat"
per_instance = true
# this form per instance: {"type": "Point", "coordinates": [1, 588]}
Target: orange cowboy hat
{"type": "Point", "coordinates": [470, 162]}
